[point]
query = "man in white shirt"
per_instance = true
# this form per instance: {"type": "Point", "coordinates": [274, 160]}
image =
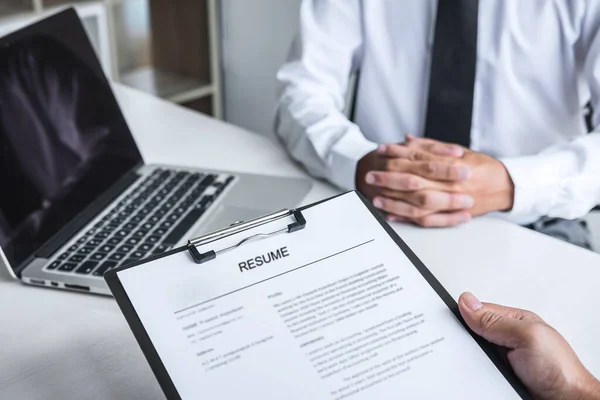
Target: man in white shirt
{"type": "Point", "coordinates": [506, 79]}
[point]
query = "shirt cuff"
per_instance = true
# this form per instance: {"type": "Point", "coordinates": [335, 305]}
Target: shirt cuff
{"type": "Point", "coordinates": [345, 155]}
{"type": "Point", "coordinates": [535, 187]}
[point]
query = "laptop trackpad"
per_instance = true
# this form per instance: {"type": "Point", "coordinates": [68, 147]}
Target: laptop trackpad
{"type": "Point", "coordinates": [228, 215]}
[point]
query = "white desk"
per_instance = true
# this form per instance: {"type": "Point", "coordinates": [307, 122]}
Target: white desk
{"type": "Point", "coordinates": [56, 345]}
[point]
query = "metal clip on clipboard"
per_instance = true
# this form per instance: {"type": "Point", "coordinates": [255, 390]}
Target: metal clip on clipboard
{"type": "Point", "coordinates": [238, 227]}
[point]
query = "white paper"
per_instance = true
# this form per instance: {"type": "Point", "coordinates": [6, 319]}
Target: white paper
{"type": "Point", "coordinates": [339, 313]}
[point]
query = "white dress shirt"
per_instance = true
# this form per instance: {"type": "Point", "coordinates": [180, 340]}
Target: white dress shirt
{"type": "Point", "coordinates": [538, 63]}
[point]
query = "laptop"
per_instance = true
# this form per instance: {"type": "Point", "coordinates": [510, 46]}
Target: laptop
{"type": "Point", "coordinates": [77, 198]}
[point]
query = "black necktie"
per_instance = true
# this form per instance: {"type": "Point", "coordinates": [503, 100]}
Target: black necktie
{"type": "Point", "coordinates": [452, 81]}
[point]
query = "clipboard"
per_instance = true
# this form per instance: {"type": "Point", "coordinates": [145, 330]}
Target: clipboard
{"type": "Point", "coordinates": [299, 224]}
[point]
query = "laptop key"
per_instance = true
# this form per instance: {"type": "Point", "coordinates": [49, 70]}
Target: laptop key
{"type": "Point", "coordinates": [130, 226]}
{"type": "Point", "coordinates": [86, 268]}
{"type": "Point", "coordinates": [77, 258]}
{"type": "Point", "coordinates": [122, 233]}
{"type": "Point", "coordinates": [98, 256]}
{"type": "Point", "coordinates": [72, 248]}
{"type": "Point", "coordinates": [208, 180]}
{"type": "Point", "coordinates": [106, 248]}
{"type": "Point", "coordinates": [140, 233]}
{"type": "Point", "coordinates": [85, 250]}
{"type": "Point", "coordinates": [137, 254]}
{"type": "Point", "coordinates": [104, 267]}
{"type": "Point", "coordinates": [195, 177]}
{"type": "Point", "coordinates": [132, 241]}
{"type": "Point", "coordinates": [184, 225]}
{"type": "Point", "coordinates": [117, 221]}
{"type": "Point", "coordinates": [94, 242]}
{"type": "Point", "coordinates": [64, 256]}
{"type": "Point", "coordinates": [117, 256]}
{"type": "Point", "coordinates": [54, 265]}
{"type": "Point", "coordinates": [159, 232]}
{"type": "Point", "coordinates": [166, 225]}
{"type": "Point", "coordinates": [110, 227]}
{"type": "Point", "coordinates": [206, 201]}
{"type": "Point", "coordinates": [67, 267]}
{"type": "Point", "coordinates": [114, 240]}
{"type": "Point", "coordinates": [161, 248]}
{"type": "Point", "coordinates": [174, 217]}
{"type": "Point", "coordinates": [125, 249]}
{"type": "Point", "coordinates": [145, 247]}
{"type": "Point", "coordinates": [153, 239]}
{"type": "Point", "coordinates": [102, 235]}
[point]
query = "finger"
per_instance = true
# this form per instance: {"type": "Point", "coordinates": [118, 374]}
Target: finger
{"type": "Point", "coordinates": [395, 218]}
{"type": "Point", "coordinates": [433, 170]}
{"type": "Point", "coordinates": [444, 220]}
{"type": "Point", "coordinates": [440, 220]}
{"type": "Point", "coordinates": [447, 150]}
{"type": "Point", "coordinates": [438, 148]}
{"type": "Point", "coordinates": [502, 326]}
{"type": "Point", "coordinates": [401, 151]}
{"type": "Point", "coordinates": [399, 208]}
{"type": "Point", "coordinates": [438, 200]}
{"type": "Point", "coordinates": [398, 181]}
{"type": "Point", "coordinates": [415, 154]}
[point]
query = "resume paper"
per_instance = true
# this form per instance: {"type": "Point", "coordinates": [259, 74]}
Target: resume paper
{"type": "Point", "coordinates": [334, 311]}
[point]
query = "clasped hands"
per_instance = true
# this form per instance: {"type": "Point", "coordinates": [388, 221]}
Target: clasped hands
{"type": "Point", "coordinates": [433, 184]}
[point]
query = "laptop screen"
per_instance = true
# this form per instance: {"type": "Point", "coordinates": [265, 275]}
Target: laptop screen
{"type": "Point", "coordinates": [63, 139]}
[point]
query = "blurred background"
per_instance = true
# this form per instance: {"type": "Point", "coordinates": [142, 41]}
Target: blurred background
{"type": "Point", "coordinates": [218, 57]}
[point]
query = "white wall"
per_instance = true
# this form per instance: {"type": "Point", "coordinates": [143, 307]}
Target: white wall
{"type": "Point", "coordinates": [257, 35]}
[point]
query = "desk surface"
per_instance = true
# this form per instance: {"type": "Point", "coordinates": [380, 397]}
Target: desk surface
{"type": "Point", "coordinates": [58, 345]}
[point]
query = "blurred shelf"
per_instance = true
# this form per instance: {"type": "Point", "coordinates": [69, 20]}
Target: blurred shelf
{"type": "Point", "coordinates": [168, 48]}
{"type": "Point", "coordinates": [57, 3]}
{"type": "Point", "coordinates": [14, 7]}
{"type": "Point", "coordinates": [204, 105]}
{"type": "Point", "coordinates": [170, 86]}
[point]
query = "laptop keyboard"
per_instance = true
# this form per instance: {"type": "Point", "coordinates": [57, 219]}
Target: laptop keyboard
{"type": "Point", "coordinates": [148, 221]}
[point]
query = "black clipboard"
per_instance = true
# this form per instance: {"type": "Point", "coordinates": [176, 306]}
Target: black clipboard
{"type": "Point", "coordinates": [154, 359]}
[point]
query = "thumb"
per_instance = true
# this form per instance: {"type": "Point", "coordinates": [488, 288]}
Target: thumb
{"type": "Point", "coordinates": [503, 326]}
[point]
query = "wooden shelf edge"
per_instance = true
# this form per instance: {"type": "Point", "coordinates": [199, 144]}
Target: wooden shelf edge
{"type": "Point", "coordinates": [169, 86]}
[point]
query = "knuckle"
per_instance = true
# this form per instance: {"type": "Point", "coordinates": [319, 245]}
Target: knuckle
{"type": "Point", "coordinates": [425, 199]}
{"type": "Point", "coordinates": [532, 316]}
{"type": "Point", "coordinates": [415, 155]}
{"type": "Point", "coordinates": [390, 165]}
{"type": "Point", "coordinates": [413, 212]}
{"type": "Point", "coordinates": [488, 320]}
{"type": "Point", "coordinates": [455, 187]}
{"type": "Point", "coordinates": [412, 183]}
{"type": "Point", "coordinates": [430, 168]}
{"type": "Point", "coordinates": [534, 333]}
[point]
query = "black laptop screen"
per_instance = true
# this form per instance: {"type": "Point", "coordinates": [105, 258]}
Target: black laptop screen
{"type": "Point", "coordinates": [63, 140]}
